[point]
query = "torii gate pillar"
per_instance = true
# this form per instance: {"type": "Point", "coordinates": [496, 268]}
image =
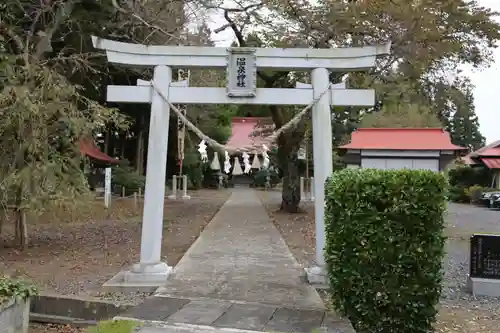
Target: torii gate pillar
{"type": "Point", "coordinates": [323, 163]}
{"type": "Point", "coordinates": [151, 271]}
{"type": "Point", "coordinates": [150, 266]}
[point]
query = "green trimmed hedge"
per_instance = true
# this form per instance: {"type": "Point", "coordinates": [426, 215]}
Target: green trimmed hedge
{"type": "Point", "coordinates": [260, 178]}
{"type": "Point", "coordinates": [385, 246]}
{"type": "Point", "coordinates": [458, 194]}
{"type": "Point", "coordinates": [124, 175]}
{"type": "Point", "coordinates": [466, 176]}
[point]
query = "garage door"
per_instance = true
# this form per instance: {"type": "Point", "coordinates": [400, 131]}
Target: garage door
{"type": "Point", "coordinates": [400, 163]}
{"type": "Point", "coordinates": [374, 163]}
{"type": "Point", "coordinates": [430, 164]}
{"type": "Point", "coordinates": [395, 164]}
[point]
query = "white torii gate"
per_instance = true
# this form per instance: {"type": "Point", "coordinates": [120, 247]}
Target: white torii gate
{"type": "Point", "coordinates": [241, 64]}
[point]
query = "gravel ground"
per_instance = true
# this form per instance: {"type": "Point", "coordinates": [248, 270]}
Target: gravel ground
{"type": "Point", "coordinates": [462, 222]}
{"type": "Point", "coordinates": [460, 311]}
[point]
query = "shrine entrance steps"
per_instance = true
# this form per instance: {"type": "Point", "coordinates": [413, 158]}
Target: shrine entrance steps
{"type": "Point", "coordinates": [238, 275]}
{"type": "Point", "coordinates": [169, 315]}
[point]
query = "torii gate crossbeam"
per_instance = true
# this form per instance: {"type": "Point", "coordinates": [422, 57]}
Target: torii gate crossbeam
{"type": "Point", "coordinates": [264, 96]}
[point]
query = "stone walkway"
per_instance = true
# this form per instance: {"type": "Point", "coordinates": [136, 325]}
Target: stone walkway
{"type": "Point", "coordinates": [241, 256]}
{"type": "Point", "coordinates": [240, 274]}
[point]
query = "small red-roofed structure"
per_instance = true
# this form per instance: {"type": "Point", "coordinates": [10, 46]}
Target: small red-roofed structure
{"type": "Point", "coordinates": [243, 129]}
{"type": "Point", "coordinates": [489, 157]}
{"type": "Point", "coordinates": [399, 148]}
{"type": "Point", "coordinates": [89, 149]}
{"type": "Point", "coordinates": [245, 133]}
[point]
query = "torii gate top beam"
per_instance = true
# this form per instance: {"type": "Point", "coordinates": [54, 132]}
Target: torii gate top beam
{"type": "Point", "coordinates": [336, 59]}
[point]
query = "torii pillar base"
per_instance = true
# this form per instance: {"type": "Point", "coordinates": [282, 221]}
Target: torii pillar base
{"type": "Point", "coordinates": [139, 278]}
{"type": "Point", "coordinates": [317, 277]}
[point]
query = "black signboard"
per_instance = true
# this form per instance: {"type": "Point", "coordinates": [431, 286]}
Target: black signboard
{"type": "Point", "coordinates": [485, 256]}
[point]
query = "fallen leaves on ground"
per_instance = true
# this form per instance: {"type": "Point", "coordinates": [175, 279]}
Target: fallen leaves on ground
{"type": "Point", "coordinates": [51, 328]}
{"type": "Point", "coordinates": [76, 252]}
{"type": "Point", "coordinates": [298, 230]}
{"type": "Point", "coordinates": [459, 320]}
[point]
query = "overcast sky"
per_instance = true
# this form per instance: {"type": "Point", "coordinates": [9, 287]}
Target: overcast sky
{"type": "Point", "coordinates": [484, 81]}
{"type": "Point", "coordinates": [485, 93]}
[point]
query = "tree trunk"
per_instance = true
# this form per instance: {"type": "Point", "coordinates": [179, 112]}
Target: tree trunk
{"type": "Point", "coordinates": [288, 146]}
{"type": "Point", "coordinates": [123, 143]}
{"type": "Point", "coordinates": [21, 229]}
{"type": "Point", "coordinates": [139, 154]}
{"type": "Point", "coordinates": [106, 141]}
{"type": "Point", "coordinates": [290, 195]}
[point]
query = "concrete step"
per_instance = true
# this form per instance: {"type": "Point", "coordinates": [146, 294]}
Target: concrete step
{"type": "Point", "coordinates": [159, 327]}
{"type": "Point", "coordinates": [165, 314]}
{"type": "Point", "coordinates": [155, 327]}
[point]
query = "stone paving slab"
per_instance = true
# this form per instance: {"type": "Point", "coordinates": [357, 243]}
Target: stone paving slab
{"type": "Point", "coordinates": [291, 320]}
{"type": "Point", "coordinates": [155, 308]}
{"type": "Point", "coordinates": [242, 256]}
{"type": "Point", "coordinates": [200, 312]}
{"type": "Point", "coordinates": [225, 315]}
{"type": "Point", "coordinates": [245, 317]}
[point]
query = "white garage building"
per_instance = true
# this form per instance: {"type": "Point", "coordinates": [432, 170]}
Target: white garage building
{"type": "Point", "coordinates": [399, 148]}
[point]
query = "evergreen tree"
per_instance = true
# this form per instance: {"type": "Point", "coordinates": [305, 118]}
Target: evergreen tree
{"type": "Point", "coordinates": [463, 123]}
{"type": "Point", "coordinates": [401, 116]}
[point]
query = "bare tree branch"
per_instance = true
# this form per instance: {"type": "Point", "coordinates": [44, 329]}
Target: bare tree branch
{"type": "Point", "coordinates": [16, 39]}
{"type": "Point", "coordinates": [137, 17]}
{"type": "Point", "coordinates": [249, 10]}
{"type": "Point", "coordinates": [44, 44]}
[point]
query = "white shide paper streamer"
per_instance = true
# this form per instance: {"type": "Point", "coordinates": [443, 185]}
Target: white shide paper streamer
{"type": "Point", "coordinates": [246, 162]}
{"type": "Point", "coordinates": [237, 167]}
{"type": "Point", "coordinates": [202, 149]}
{"type": "Point", "coordinates": [215, 162]}
{"type": "Point", "coordinates": [227, 163]}
{"type": "Point", "coordinates": [265, 164]}
{"type": "Point", "coordinates": [256, 162]}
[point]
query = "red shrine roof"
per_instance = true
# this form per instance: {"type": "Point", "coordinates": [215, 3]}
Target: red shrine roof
{"type": "Point", "coordinates": [491, 163]}
{"type": "Point", "coordinates": [243, 129]}
{"type": "Point", "coordinates": [495, 152]}
{"type": "Point", "coordinates": [401, 139]}
{"type": "Point", "coordinates": [89, 148]}
{"type": "Point", "coordinates": [489, 155]}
